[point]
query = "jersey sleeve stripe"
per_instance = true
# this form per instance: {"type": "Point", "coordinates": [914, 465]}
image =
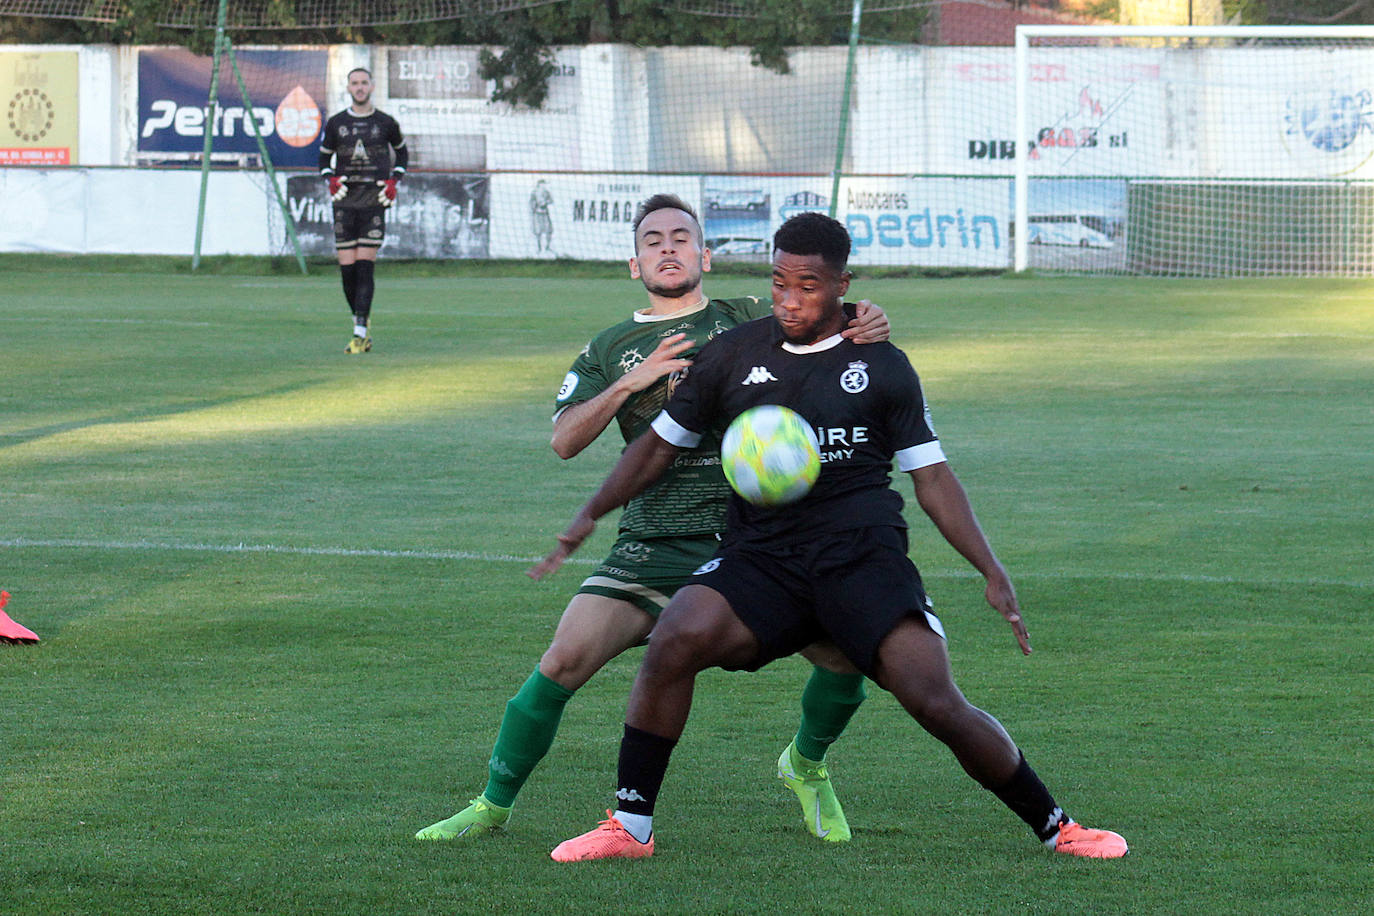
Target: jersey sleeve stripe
{"type": "Point", "coordinates": [920, 456]}
{"type": "Point", "coordinates": [669, 431]}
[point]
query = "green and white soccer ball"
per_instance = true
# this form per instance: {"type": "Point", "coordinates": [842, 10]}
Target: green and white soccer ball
{"type": "Point", "coordinates": [770, 455]}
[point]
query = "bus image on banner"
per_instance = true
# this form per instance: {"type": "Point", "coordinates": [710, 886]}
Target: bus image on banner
{"type": "Point", "coordinates": [1066, 229]}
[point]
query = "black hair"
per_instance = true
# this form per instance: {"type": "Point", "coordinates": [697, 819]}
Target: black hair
{"type": "Point", "coordinates": [664, 202]}
{"type": "Point", "coordinates": [360, 70]}
{"type": "Point", "coordinates": [815, 233]}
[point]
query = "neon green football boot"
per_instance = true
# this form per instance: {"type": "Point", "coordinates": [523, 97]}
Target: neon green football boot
{"type": "Point", "coordinates": [821, 811]}
{"type": "Point", "coordinates": [479, 817]}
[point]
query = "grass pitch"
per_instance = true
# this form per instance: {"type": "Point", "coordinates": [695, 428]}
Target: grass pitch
{"type": "Point", "coordinates": [282, 600]}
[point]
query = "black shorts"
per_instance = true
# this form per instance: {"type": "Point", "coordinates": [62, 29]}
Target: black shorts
{"type": "Point", "coordinates": [852, 587]}
{"type": "Point", "coordinates": [361, 227]}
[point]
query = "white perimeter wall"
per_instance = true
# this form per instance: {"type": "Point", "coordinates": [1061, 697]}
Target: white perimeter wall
{"type": "Point", "coordinates": [917, 112]}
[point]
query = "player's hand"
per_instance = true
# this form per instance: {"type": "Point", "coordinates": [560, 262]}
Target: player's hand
{"type": "Point", "coordinates": [386, 192]}
{"type": "Point", "coordinates": [869, 325]}
{"type": "Point", "coordinates": [665, 360]}
{"type": "Point", "coordinates": [338, 188]}
{"type": "Point", "coordinates": [581, 528]}
{"type": "Point", "coordinates": [1002, 596]}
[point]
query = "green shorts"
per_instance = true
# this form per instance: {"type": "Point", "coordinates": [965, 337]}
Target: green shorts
{"type": "Point", "coordinates": [646, 573]}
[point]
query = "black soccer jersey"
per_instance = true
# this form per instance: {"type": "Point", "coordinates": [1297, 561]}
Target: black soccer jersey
{"type": "Point", "coordinates": [864, 402]}
{"type": "Point", "coordinates": [365, 149]}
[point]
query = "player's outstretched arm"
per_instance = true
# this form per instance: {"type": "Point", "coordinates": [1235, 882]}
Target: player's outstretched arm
{"type": "Point", "coordinates": [579, 425]}
{"type": "Point", "coordinates": [942, 498]}
{"type": "Point", "coordinates": [870, 324]}
{"type": "Point", "coordinates": [642, 463]}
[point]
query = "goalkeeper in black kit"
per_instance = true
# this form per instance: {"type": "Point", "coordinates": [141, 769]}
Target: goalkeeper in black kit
{"type": "Point", "coordinates": [363, 156]}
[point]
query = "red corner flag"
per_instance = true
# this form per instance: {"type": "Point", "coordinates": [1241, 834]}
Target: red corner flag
{"type": "Point", "coordinates": [11, 631]}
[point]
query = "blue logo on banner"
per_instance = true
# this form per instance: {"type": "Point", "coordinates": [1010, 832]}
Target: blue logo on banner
{"type": "Point", "coordinates": [1332, 121]}
{"type": "Point", "coordinates": [284, 89]}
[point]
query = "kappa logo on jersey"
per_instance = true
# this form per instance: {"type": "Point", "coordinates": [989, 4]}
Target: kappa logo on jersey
{"type": "Point", "coordinates": [569, 386]}
{"type": "Point", "coordinates": [758, 375]}
{"type": "Point", "coordinates": [710, 565]}
{"type": "Point", "coordinates": [855, 378]}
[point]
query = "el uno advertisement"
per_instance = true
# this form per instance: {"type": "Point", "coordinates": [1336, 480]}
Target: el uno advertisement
{"type": "Point", "coordinates": [285, 89]}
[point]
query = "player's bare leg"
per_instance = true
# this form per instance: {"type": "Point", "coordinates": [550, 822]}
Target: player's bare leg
{"type": "Point", "coordinates": [697, 630]}
{"type": "Point", "coordinates": [593, 630]}
{"type": "Point", "coordinates": [913, 665]}
{"type": "Point", "coordinates": [685, 644]}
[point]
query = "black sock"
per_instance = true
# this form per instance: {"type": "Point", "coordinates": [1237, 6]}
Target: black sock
{"type": "Point", "coordinates": [362, 297]}
{"type": "Point", "coordinates": [349, 273]}
{"type": "Point", "coordinates": [1029, 800]}
{"type": "Point", "coordinates": [643, 764]}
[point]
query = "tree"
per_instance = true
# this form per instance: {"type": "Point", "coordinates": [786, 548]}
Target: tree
{"type": "Point", "coordinates": [521, 68]}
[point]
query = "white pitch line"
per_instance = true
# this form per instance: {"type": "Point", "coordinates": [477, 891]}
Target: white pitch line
{"type": "Point", "coordinates": [278, 548]}
{"type": "Point", "coordinates": [583, 561]}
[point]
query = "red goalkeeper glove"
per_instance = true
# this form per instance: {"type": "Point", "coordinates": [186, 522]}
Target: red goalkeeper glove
{"type": "Point", "coordinates": [338, 189]}
{"type": "Point", "coordinates": [386, 192]}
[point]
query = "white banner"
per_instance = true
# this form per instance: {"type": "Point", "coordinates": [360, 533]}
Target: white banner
{"type": "Point", "coordinates": [44, 210]}
{"type": "Point", "coordinates": [574, 216]}
{"type": "Point", "coordinates": [133, 211]}
{"type": "Point", "coordinates": [1290, 113]}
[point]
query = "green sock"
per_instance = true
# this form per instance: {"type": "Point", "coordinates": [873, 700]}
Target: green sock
{"type": "Point", "coordinates": [526, 734]}
{"type": "Point", "coordinates": [828, 703]}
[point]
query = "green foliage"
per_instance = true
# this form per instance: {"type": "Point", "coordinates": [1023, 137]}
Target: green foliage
{"type": "Point", "coordinates": [524, 63]}
{"type": "Point", "coordinates": [1308, 12]}
{"type": "Point", "coordinates": [521, 71]}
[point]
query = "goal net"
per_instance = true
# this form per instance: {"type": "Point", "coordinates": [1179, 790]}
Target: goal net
{"type": "Point", "coordinates": [1211, 151]}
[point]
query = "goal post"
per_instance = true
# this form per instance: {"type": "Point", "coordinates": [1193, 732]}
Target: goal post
{"type": "Point", "coordinates": [224, 50]}
{"type": "Point", "coordinates": [1194, 150]}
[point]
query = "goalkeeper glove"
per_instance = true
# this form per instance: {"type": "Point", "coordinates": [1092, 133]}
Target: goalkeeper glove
{"type": "Point", "coordinates": [386, 192]}
{"type": "Point", "coordinates": [338, 189]}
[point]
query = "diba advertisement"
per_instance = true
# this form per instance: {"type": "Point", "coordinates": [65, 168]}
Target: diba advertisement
{"type": "Point", "coordinates": [38, 91]}
{"type": "Point", "coordinates": [284, 92]}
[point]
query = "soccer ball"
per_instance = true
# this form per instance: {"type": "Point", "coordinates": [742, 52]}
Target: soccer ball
{"type": "Point", "coordinates": [770, 455]}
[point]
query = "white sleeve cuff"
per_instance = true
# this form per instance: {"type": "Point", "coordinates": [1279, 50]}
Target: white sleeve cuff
{"type": "Point", "coordinates": [920, 456]}
{"type": "Point", "coordinates": [669, 431]}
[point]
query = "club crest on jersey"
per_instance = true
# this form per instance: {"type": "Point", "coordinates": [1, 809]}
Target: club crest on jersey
{"type": "Point", "coordinates": [629, 359]}
{"type": "Point", "coordinates": [855, 378]}
{"type": "Point", "coordinates": [675, 378]}
{"type": "Point", "coordinates": [634, 551]}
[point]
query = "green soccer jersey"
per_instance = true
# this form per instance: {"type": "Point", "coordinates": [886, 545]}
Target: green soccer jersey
{"type": "Point", "coordinates": [690, 497]}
